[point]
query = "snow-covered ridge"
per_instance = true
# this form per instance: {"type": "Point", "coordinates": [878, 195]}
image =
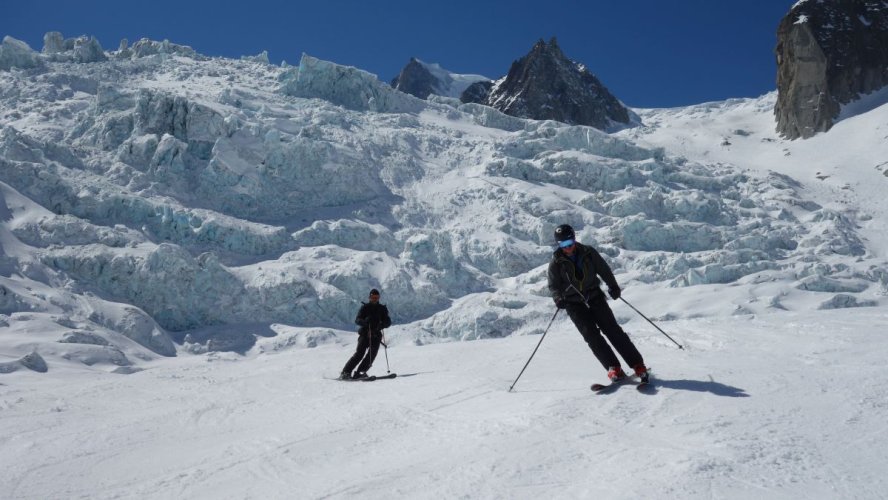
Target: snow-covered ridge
{"type": "Point", "coordinates": [143, 197]}
{"type": "Point", "coordinates": [451, 84]}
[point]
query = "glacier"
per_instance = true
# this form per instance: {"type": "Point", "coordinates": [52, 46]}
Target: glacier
{"type": "Point", "coordinates": [153, 200]}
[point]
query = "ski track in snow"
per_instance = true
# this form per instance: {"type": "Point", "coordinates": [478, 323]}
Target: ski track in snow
{"type": "Point", "coordinates": [777, 409]}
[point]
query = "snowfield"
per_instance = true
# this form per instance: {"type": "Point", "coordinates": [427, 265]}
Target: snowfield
{"type": "Point", "coordinates": [779, 406]}
{"type": "Point", "coordinates": [184, 242]}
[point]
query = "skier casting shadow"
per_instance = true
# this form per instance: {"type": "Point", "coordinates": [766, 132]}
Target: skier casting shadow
{"type": "Point", "coordinates": [372, 318]}
{"type": "Point", "coordinates": [574, 284]}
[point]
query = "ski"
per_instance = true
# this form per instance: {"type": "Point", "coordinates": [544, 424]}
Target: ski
{"type": "Point", "coordinates": [371, 378]}
{"type": "Point", "coordinates": [644, 385]}
{"type": "Point", "coordinates": [603, 388]}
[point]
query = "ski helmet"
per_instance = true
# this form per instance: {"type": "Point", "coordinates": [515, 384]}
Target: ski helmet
{"type": "Point", "coordinates": [564, 232]}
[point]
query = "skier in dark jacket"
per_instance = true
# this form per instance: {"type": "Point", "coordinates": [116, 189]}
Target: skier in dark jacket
{"type": "Point", "coordinates": [372, 318]}
{"type": "Point", "coordinates": [574, 283]}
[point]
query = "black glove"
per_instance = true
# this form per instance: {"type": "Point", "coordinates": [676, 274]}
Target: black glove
{"type": "Point", "coordinates": [560, 303]}
{"type": "Point", "coordinates": [614, 292]}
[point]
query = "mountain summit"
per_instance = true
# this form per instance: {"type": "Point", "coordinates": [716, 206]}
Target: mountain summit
{"type": "Point", "coordinates": [416, 79]}
{"type": "Point", "coordinates": [546, 85]}
{"type": "Point", "coordinates": [828, 54]}
{"type": "Point", "coordinates": [423, 79]}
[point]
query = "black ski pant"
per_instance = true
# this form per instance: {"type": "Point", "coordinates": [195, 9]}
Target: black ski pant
{"type": "Point", "coordinates": [365, 343]}
{"type": "Point", "coordinates": [598, 319]}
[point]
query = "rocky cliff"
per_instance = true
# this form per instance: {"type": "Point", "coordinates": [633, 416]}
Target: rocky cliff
{"type": "Point", "coordinates": [415, 79]}
{"type": "Point", "coordinates": [828, 54]}
{"type": "Point", "coordinates": [423, 79]}
{"type": "Point", "coordinates": [546, 85]}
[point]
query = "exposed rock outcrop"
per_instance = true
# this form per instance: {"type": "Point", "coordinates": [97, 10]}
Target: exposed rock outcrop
{"type": "Point", "coordinates": [415, 79]}
{"type": "Point", "coordinates": [423, 79]}
{"type": "Point", "coordinates": [477, 92]}
{"type": "Point", "coordinates": [828, 54]}
{"type": "Point", "coordinates": [546, 85]}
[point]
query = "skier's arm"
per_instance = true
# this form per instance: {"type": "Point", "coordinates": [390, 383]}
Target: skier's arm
{"type": "Point", "coordinates": [604, 270]}
{"type": "Point", "coordinates": [386, 320]}
{"type": "Point", "coordinates": [556, 284]}
{"type": "Point", "coordinates": [361, 319]}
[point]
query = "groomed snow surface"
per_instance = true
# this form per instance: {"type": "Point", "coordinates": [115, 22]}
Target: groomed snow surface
{"type": "Point", "coordinates": [781, 407]}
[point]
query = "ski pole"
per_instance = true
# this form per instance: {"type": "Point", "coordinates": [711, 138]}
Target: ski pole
{"type": "Point", "coordinates": [535, 349]}
{"type": "Point", "coordinates": [571, 285]}
{"type": "Point", "coordinates": [651, 322]}
{"type": "Point", "coordinates": [386, 350]}
{"type": "Point", "coordinates": [581, 296]}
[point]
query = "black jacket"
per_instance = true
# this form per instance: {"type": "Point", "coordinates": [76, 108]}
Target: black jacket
{"type": "Point", "coordinates": [583, 276]}
{"type": "Point", "coordinates": [374, 317]}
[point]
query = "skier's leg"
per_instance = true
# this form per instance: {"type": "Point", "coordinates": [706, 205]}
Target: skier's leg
{"type": "Point", "coordinates": [371, 355]}
{"type": "Point", "coordinates": [585, 323]}
{"type": "Point", "coordinates": [353, 361]}
{"type": "Point", "coordinates": [605, 320]}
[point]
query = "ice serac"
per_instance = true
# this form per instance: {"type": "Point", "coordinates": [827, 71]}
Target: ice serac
{"type": "Point", "coordinates": [160, 196]}
{"type": "Point", "coordinates": [32, 361]}
{"type": "Point", "coordinates": [261, 57]}
{"type": "Point", "coordinates": [828, 54]}
{"type": "Point", "coordinates": [346, 86]}
{"type": "Point", "coordinates": [146, 47]}
{"type": "Point", "coordinates": [87, 50]}
{"type": "Point", "coordinates": [53, 42]}
{"type": "Point", "coordinates": [546, 85]}
{"type": "Point", "coordinates": [82, 49]}
{"type": "Point", "coordinates": [17, 54]}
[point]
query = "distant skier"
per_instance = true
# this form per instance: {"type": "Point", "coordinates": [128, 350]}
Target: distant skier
{"type": "Point", "coordinates": [574, 284]}
{"type": "Point", "coordinates": [373, 317]}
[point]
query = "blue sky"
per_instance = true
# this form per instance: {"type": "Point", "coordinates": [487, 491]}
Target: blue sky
{"type": "Point", "coordinates": [649, 53]}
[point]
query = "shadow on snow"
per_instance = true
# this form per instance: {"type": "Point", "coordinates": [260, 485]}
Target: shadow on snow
{"type": "Point", "coordinates": [710, 386]}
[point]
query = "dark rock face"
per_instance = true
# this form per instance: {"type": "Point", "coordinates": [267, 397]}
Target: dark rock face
{"type": "Point", "coordinates": [828, 54]}
{"type": "Point", "coordinates": [546, 85]}
{"type": "Point", "coordinates": [477, 92]}
{"type": "Point", "coordinates": [415, 79]}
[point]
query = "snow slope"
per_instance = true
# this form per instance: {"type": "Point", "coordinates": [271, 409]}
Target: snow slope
{"type": "Point", "coordinates": [451, 84]}
{"type": "Point", "coordinates": [779, 407]}
{"type": "Point", "coordinates": [844, 170]}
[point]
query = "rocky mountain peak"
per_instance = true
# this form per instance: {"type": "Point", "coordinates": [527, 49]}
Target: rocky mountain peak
{"type": "Point", "coordinates": [422, 79]}
{"type": "Point", "coordinates": [828, 54]}
{"type": "Point", "coordinates": [546, 85]}
{"type": "Point", "coordinates": [415, 79]}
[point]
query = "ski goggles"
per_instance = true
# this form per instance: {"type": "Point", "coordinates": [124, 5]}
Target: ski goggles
{"type": "Point", "coordinates": [566, 243]}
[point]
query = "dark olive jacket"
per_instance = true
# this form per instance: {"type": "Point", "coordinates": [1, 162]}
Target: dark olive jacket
{"type": "Point", "coordinates": [583, 276]}
{"type": "Point", "coordinates": [374, 317]}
